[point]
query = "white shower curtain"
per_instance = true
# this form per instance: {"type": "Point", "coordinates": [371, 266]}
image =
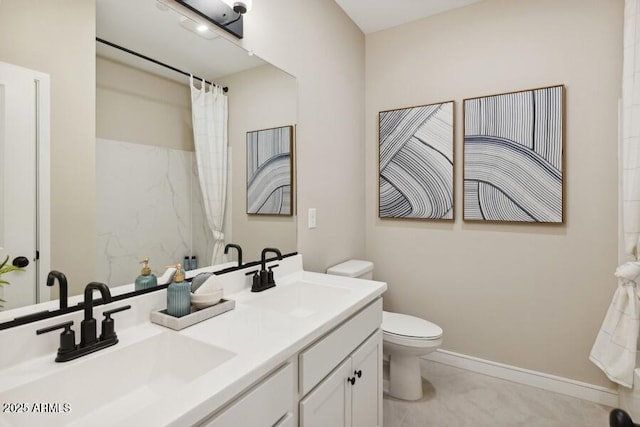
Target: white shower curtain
{"type": "Point", "coordinates": [615, 349]}
{"type": "Point", "coordinates": [209, 114]}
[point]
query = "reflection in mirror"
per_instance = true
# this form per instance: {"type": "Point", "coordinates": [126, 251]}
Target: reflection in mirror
{"type": "Point", "coordinates": [147, 194]}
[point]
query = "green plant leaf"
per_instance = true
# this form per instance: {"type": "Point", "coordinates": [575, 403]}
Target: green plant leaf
{"type": "Point", "coordinates": [6, 268]}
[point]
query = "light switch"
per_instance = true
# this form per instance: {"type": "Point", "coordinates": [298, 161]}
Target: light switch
{"type": "Point", "coordinates": [312, 218]}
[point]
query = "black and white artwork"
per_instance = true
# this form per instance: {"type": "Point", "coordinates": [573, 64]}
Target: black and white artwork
{"type": "Point", "coordinates": [416, 162]}
{"type": "Point", "coordinates": [269, 171]}
{"type": "Point", "coordinates": [513, 157]}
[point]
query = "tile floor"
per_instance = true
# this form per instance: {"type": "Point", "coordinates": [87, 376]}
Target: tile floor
{"type": "Point", "coordinates": [456, 397]}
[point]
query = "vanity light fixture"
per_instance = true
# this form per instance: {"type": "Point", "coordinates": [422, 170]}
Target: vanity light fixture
{"type": "Point", "coordinates": [198, 28]}
{"type": "Point", "coordinates": [240, 7]}
{"type": "Point", "coordinates": [225, 14]}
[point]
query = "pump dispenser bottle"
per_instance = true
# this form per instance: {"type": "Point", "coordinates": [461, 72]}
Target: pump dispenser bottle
{"type": "Point", "coordinates": [179, 295]}
{"type": "Point", "coordinates": [146, 279]}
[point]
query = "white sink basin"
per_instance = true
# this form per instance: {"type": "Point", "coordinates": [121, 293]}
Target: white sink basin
{"type": "Point", "coordinates": [114, 385]}
{"type": "Point", "coordinates": [301, 299]}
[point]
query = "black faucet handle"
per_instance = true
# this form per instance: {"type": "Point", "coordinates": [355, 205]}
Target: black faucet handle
{"type": "Point", "coordinates": [67, 337]}
{"type": "Point", "coordinates": [108, 325]}
{"type": "Point", "coordinates": [65, 325]}
{"type": "Point", "coordinates": [270, 279]}
{"type": "Point", "coordinates": [255, 284]}
{"type": "Point", "coordinates": [108, 313]}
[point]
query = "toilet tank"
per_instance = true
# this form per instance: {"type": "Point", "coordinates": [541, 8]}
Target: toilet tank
{"type": "Point", "coordinates": [353, 268]}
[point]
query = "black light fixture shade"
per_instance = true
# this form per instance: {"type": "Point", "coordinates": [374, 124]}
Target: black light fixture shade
{"type": "Point", "coordinates": [217, 12]}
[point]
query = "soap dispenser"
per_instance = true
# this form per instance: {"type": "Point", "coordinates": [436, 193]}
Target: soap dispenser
{"type": "Point", "coordinates": [179, 295]}
{"type": "Point", "coordinates": [146, 279]}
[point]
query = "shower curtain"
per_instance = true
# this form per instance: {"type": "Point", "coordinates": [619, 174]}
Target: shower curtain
{"type": "Point", "coordinates": [209, 115]}
{"type": "Point", "coordinates": [615, 348]}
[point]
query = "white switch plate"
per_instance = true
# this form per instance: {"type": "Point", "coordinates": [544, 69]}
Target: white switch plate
{"type": "Point", "coordinates": [312, 218]}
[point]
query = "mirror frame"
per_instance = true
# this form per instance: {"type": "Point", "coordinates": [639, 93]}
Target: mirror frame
{"type": "Point", "coordinates": [42, 315]}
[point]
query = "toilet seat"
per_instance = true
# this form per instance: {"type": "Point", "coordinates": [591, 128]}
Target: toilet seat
{"type": "Point", "coordinates": [399, 326]}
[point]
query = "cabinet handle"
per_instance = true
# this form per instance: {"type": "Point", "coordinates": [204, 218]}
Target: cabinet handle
{"type": "Point", "coordinates": [20, 262]}
{"type": "Point", "coordinates": [351, 380]}
{"type": "Point", "coordinates": [358, 373]}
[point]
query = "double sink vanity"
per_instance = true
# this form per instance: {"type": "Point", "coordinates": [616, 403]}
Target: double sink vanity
{"type": "Point", "coordinates": [306, 352]}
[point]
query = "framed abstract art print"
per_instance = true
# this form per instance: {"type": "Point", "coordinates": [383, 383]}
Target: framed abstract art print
{"type": "Point", "coordinates": [416, 162]}
{"type": "Point", "coordinates": [270, 171]}
{"type": "Point", "coordinates": [514, 157]}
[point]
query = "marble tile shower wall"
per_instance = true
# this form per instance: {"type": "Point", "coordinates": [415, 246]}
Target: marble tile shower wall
{"type": "Point", "coordinates": [148, 204]}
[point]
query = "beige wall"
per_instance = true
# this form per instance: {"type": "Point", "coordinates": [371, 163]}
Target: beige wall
{"type": "Point", "coordinates": [140, 107]}
{"type": "Point", "coordinates": [261, 98]}
{"type": "Point", "coordinates": [58, 38]}
{"type": "Point", "coordinates": [315, 41]}
{"type": "Point", "coordinates": [526, 295]}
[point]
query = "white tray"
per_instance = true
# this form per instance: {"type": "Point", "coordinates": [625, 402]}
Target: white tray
{"type": "Point", "coordinates": [177, 323]}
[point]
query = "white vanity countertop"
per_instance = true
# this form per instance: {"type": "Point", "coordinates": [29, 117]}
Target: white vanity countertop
{"type": "Point", "coordinates": [262, 339]}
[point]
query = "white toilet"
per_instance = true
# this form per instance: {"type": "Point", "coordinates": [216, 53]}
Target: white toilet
{"type": "Point", "coordinates": [405, 338]}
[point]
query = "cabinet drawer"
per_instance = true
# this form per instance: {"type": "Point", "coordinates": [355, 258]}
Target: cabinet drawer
{"type": "Point", "coordinates": [322, 357]}
{"type": "Point", "coordinates": [263, 405]}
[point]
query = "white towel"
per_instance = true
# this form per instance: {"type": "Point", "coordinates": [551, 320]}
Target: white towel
{"type": "Point", "coordinates": [615, 348]}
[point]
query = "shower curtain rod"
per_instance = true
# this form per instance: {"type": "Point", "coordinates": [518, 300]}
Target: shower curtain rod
{"type": "Point", "coordinates": [139, 55]}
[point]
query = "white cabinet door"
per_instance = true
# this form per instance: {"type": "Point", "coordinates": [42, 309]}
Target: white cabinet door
{"type": "Point", "coordinates": [366, 397]}
{"type": "Point", "coordinates": [330, 403]}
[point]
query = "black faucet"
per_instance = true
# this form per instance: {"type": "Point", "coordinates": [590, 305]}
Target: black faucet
{"type": "Point", "coordinates": [89, 342]}
{"type": "Point", "coordinates": [263, 258]}
{"type": "Point", "coordinates": [236, 247]}
{"type": "Point", "coordinates": [62, 282]}
{"type": "Point", "coordinates": [264, 279]}
{"type": "Point", "coordinates": [88, 325]}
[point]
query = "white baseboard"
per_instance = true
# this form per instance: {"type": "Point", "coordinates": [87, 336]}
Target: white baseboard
{"type": "Point", "coordinates": [569, 387]}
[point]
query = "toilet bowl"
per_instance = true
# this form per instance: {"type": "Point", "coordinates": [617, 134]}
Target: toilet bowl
{"type": "Point", "coordinates": [404, 338]}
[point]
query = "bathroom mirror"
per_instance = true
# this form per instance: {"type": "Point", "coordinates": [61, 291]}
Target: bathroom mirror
{"type": "Point", "coordinates": [144, 142]}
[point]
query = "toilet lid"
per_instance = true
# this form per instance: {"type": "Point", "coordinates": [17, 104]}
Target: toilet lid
{"type": "Point", "coordinates": [409, 326]}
